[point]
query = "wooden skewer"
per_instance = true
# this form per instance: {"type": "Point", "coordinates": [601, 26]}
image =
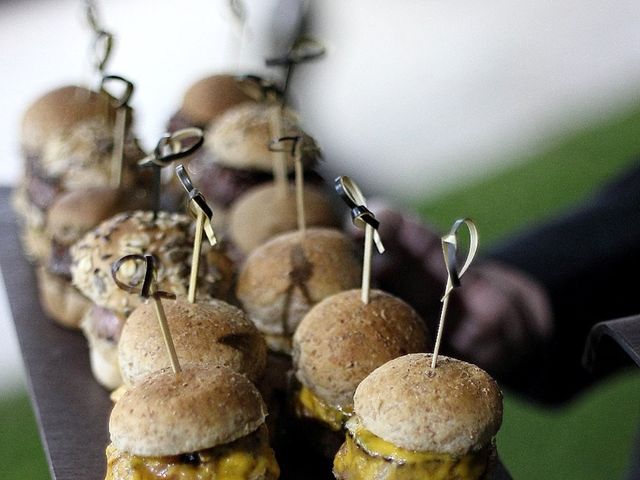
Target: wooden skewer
{"type": "Point", "coordinates": [195, 259]}
{"type": "Point", "coordinates": [166, 335]}
{"type": "Point", "coordinates": [449, 250]}
{"type": "Point", "coordinates": [117, 156]}
{"type": "Point", "coordinates": [302, 224]}
{"type": "Point", "coordinates": [279, 156]}
{"type": "Point", "coordinates": [366, 264]}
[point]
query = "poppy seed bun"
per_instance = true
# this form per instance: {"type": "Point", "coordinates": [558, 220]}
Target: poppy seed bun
{"type": "Point", "coordinates": [342, 340]}
{"type": "Point", "coordinates": [58, 111]}
{"type": "Point", "coordinates": [240, 138]}
{"type": "Point", "coordinates": [455, 408]}
{"type": "Point", "coordinates": [77, 211]}
{"type": "Point", "coordinates": [196, 409]}
{"type": "Point", "coordinates": [283, 278]}
{"type": "Point", "coordinates": [168, 238]}
{"type": "Point", "coordinates": [209, 97]}
{"type": "Point", "coordinates": [263, 212]}
{"type": "Point", "coordinates": [206, 334]}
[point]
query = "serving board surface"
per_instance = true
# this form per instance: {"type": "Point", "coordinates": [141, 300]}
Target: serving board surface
{"type": "Point", "coordinates": [71, 409]}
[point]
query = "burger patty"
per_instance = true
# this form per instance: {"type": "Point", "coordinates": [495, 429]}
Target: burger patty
{"type": "Point", "coordinates": [104, 324]}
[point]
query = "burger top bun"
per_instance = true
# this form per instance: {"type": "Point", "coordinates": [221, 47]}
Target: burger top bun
{"type": "Point", "coordinates": [284, 277]}
{"type": "Point", "coordinates": [59, 110]}
{"type": "Point", "coordinates": [77, 211]}
{"type": "Point", "coordinates": [196, 409]}
{"type": "Point", "coordinates": [211, 96]}
{"type": "Point", "coordinates": [212, 333]}
{"type": "Point", "coordinates": [264, 212]}
{"type": "Point", "coordinates": [342, 340]}
{"type": "Point", "coordinates": [168, 239]}
{"type": "Point", "coordinates": [453, 408]}
{"type": "Point", "coordinates": [240, 138]}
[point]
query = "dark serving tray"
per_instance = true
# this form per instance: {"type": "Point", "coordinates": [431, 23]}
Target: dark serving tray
{"type": "Point", "coordinates": [71, 409]}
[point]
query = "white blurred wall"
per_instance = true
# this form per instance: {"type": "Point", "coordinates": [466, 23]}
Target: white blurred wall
{"type": "Point", "coordinates": [411, 96]}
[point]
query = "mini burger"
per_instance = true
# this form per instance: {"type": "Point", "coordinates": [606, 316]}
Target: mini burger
{"type": "Point", "coordinates": [412, 421]}
{"type": "Point", "coordinates": [236, 155]}
{"type": "Point", "coordinates": [264, 212]}
{"type": "Point", "coordinates": [207, 99]}
{"type": "Point", "coordinates": [205, 334]}
{"type": "Point", "coordinates": [338, 343]}
{"type": "Point", "coordinates": [72, 215]}
{"type": "Point", "coordinates": [168, 237]}
{"type": "Point", "coordinates": [67, 143]}
{"type": "Point", "coordinates": [201, 423]}
{"type": "Point", "coordinates": [283, 278]}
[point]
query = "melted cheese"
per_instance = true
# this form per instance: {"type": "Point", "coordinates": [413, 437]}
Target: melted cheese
{"type": "Point", "coordinates": [364, 456]}
{"type": "Point", "coordinates": [309, 405]}
{"type": "Point", "coordinates": [247, 458]}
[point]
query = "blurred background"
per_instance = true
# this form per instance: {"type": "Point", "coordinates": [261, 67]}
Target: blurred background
{"type": "Point", "coordinates": [504, 111]}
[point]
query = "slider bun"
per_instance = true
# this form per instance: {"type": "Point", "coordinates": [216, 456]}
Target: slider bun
{"type": "Point", "coordinates": [454, 408]}
{"type": "Point", "coordinates": [283, 278]}
{"type": "Point", "coordinates": [206, 334]}
{"type": "Point", "coordinates": [262, 212]}
{"type": "Point", "coordinates": [196, 409]}
{"type": "Point", "coordinates": [168, 239]}
{"type": "Point", "coordinates": [59, 110]}
{"type": "Point", "coordinates": [341, 341]}
{"type": "Point", "coordinates": [241, 136]}
{"type": "Point", "coordinates": [209, 97]}
{"type": "Point", "coordinates": [60, 300]}
{"type": "Point", "coordinates": [78, 211]}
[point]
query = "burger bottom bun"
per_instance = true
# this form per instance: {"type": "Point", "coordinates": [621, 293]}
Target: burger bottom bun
{"type": "Point", "coordinates": [60, 300]}
{"type": "Point", "coordinates": [103, 355]}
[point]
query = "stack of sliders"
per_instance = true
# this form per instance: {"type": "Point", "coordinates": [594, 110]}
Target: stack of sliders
{"type": "Point", "coordinates": [338, 343]}
{"type": "Point", "coordinates": [200, 423]}
{"type": "Point", "coordinates": [236, 158]}
{"type": "Point", "coordinates": [165, 236]}
{"type": "Point", "coordinates": [414, 421]}
{"type": "Point", "coordinates": [67, 143]}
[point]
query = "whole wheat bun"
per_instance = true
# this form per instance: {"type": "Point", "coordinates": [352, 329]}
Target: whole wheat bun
{"type": "Point", "coordinates": [212, 333]}
{"type": "Point", "coordinates": [209, 97]}
{"type": "Point", "coordinates": [75, 212]}
{"type": "Point", "coordinates": [283, 278]}
{"type": "Point", "coordinates": [241, 136]}
{"type": "Point", "coordinates": [196, 409]}
{"type": "Point", "coordinates": [454, 408]}
{"type": "Point", "coordinates": [60, 300]}
{"type": "Point", "coordinates": [59, 110]}
{"type": "Point", "coordinates": [168, 238]}
{"type": "Point", "coordinates": [264, 212]}
{"type": "Point", "coordinates": [342, 340]}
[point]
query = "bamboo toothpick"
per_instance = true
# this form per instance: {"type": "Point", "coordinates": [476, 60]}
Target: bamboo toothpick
{"type": "Point", "coordinates": [362, 217]}
{"type": "Point", "coordinates": [280, 173]}
{"type": "Point", "coordinates": [203, 214]}
{"type": "Point", "coordinates": [170, 147]}
{"type": "Point", "coordinates": [449, 250]}
{"type": "Point", "coordinates": [147, 290]}
{"type": "Point", "coordinates": [121, 102]}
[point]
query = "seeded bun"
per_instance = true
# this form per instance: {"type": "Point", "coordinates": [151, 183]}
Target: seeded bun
{"type": "Point", "coordinates": [58, 111]}
{"type": "Point", "coordinates": [76, 212]}
{"type": "Point", "coordinates": [283, 278]}
{"type": "Point", "coordinates": [240, 138]}
{"type": "Point", "coordinates": [262, 212]}
{"type": "Point", "coordinates": [341, 341]}
{"type": "Point", "coordinates": [205, 334]}
{"type": "Point", "coordinates": [197, 409]}
{"type": "Point", "coordinates": [211, 96]}
{"type": "Point", "coordinates": [455, 408]}
{"type": "Point", "coordinates": [168, 238]}
{"type": "Point", "coordinates": [60, 300]}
